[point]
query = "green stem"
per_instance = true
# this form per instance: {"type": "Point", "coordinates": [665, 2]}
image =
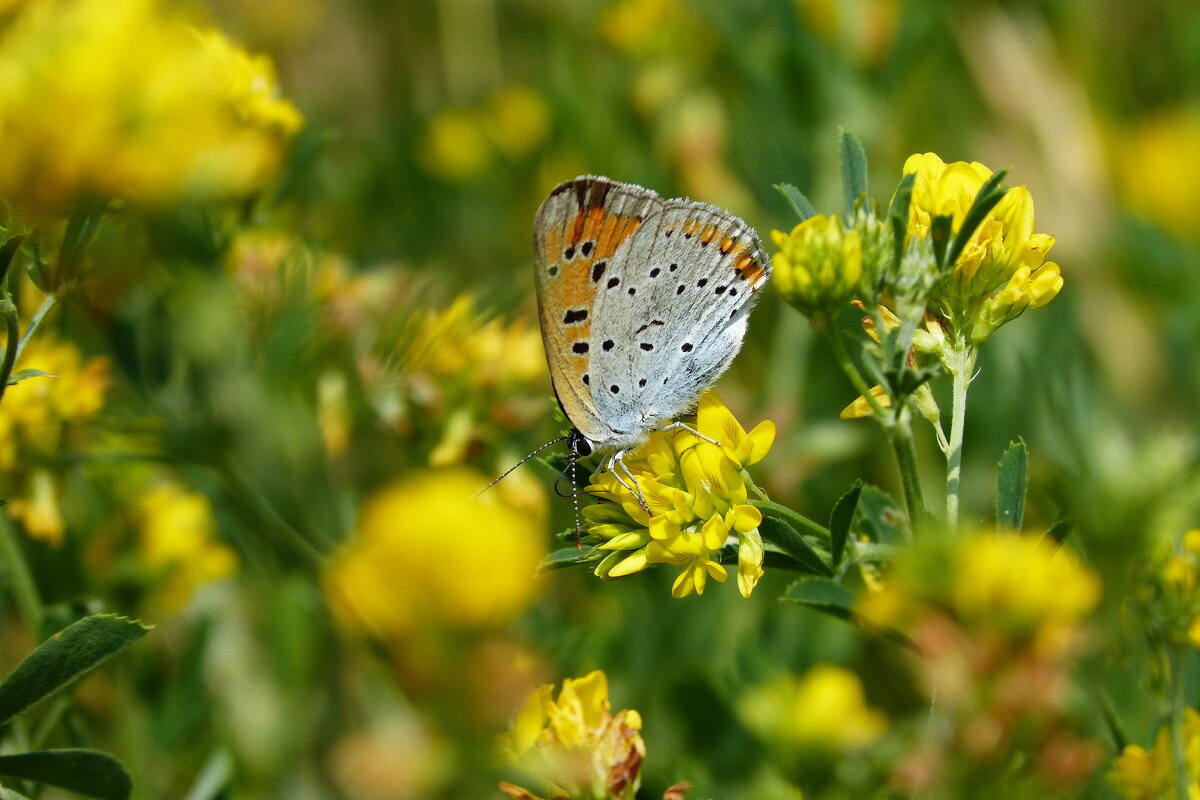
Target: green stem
{"type": "Point", "coordinates": [1178, 752]}
{"type": "Point", "coordinates": [900, 435]}
{"type": "Point", "coordinates": [12, 344]}
{"type": "Point", "coordinates": [47, 305]}
{"type": "Point", "coordinates": [851, 369]}
{"type": "Point", "coordinates": [19, 576]}
{"type": "Point", "coordinates": [961, 368]}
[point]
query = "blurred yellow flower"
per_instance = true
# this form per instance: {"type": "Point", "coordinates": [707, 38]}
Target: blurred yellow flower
{"type": "Point", "coordinates": [37, 417]}
{"type": "Point", "coordinates": [117, 98]}
{"type": "Point", "coordinates": [1020, 582]}
{"type": "Point", "coordinates": [642, 28]}
{"type": "Point", "coordinates": [178, 544]}
{"type": "Point", "coordinates": [425, 553]}
{"type": "Point", "coordinates": [696, 491]}
{"type": "Point", "coordinates": [1138, 774]}
{"type": "Point", "coordinates": [818, 267]}
{"type": "Point", "coordinates": [1157, 167]}
{"type": "Point", "coordinates": [824, 710]}
{"type": "Point", "coordinates": [518, 119]}
{"type": "Point", "coordinates": [454, 145]}
{"type": "Point", "coordinates": [574, 744]}
{"type": "Point", "coordinates": [1003, 251]}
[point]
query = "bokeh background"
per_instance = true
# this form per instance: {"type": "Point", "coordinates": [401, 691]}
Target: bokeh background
{"type": "Point", "coordinates": [274, 387]}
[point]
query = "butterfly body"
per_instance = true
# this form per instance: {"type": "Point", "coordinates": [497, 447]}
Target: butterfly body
{"type": "Point", "coordinates": [643, 303]}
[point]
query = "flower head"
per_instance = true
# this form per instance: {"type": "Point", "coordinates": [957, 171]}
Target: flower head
{"type": "Point", "coordinates": [1002, 270]}
{"type": "Point", "coordinates": [819, 266]}
{"type": "Point", "coordinates": [575, 744]}
{"type": "Point", "coordinates": [825, 709]}
{"type": "Point", "coordinates": [424, 555]}
{"type": "Point", "coordinates": [117, 98]}
{"type": "Point", "coordinates": [1140, 774]}
{"type": "Point", "coordinates": [696, 494]}
{"type": "Point", "coordinates": [178, 543]}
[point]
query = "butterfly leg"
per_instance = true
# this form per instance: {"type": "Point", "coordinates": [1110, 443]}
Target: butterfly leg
{"type": "Point", "coordinates": [616, 465]}
{"type": "Point", "coordinates": [674, 426]}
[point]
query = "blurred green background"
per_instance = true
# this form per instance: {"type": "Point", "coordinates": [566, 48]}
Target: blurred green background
{"type": "Point", "coordinates": [286, 362]}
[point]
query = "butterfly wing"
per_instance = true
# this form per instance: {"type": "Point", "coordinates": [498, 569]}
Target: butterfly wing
{"type": "Point", "coordinates": [678, 319]}
{"type": "Point", "coordinates": [581, 236]}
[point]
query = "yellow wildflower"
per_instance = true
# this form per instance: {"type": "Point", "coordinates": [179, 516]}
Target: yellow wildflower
{"type": "Point", "coordinates": [575, 744]}
{"type": "Point", "coordinates": [454, 145]}
{"type": "Point", "coordinates": [818, 267]}
{"type": "Point", "coordinates": [1157, 166]}
{"type": "Point", "coordinates": [1138, 774]}
{"type": "Point", "coordinates": [824, 710]}
{"type": "Point", "coordinates": [695, 490]}
{"type": "Point", "coordinates": [178, 543]}
{"type": "Point", "coordinates": [424, 555]}
{"type": "Point", "coordinates": [518, 119]}
{"type": "Point", "coordinates": [116, 98]}
{"type": "Point", "coordinates": [38, 511]}
{"type": "Point", "coordinates": [1002, 245]}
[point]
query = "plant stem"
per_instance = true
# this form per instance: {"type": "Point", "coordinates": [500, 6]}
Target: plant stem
{"type": "Point", "coordinates": [50, 301]}
{"type": "Point", "coordinates": [848, 366]}
{"type": "Point", "coordinates": [901, 437]}
{"type": "Point", "coordinates": [895, 426]}
{"type": "Point", "coordinates": [961, 368]}
{"type": "Point", "coordinates": [18, 574]}
{"type": "Point", "coordinates": [1182, 779]}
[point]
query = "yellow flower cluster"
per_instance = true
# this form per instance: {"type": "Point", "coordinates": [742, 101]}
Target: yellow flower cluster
{"type": "Point", "coordinates": [1002, 270]}
{"type": "Point", "coordinates": [1020, 585]}
{"type": "Point", "coordinates": [1177, 584]}
{"type": "Point", "coordinates": [37, 417]}
{"type": "Point", "coordinates": [575, 744]}
{"type": "Point", "coordinates": [695, 489]}
{"type": "Point", "coordinates": [427, 555]}
{"type": "Point", "coordinates": [460, 144]}
{"type": "Point", "coordinates": [179, 545]}
{"type": "Point", "coordinates": [824, 710]}
{"type": "Point", "coordinates": [1140, 774]}
{"type": "Point", "coordinates": [997, 618]}
{"type": "Point", "coordinates": [818, 266]}
{"type": "Point", "coordinates": [118, 98]}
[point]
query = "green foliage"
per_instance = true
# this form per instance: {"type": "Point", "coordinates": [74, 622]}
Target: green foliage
{"type": "Point", "coordinates": [1011, 483]}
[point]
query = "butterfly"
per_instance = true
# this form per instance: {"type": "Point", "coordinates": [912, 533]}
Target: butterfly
{"type": "Point", "coordinates": [643, 304]}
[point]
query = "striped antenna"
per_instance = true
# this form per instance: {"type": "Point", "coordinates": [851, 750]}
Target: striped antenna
{"type": "Point", "coordinates": [510, 470]}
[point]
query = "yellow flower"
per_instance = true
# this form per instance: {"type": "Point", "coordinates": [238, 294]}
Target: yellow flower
{"type": "Point", "coordinates": [825, 710]}
{"type": "Point", "coordinates": [1020, 582]}
{"type": "Point", "coordinates": [116, 98]}
{"type": "Point", "coordinates": [39, 511]}
{"type": "Point", "coordinates": [695, 494]}
{"type": "Point", "coordinates": [178, 543]}
{"type": "Point", "coordinates": [426, 553]}
{"type": "Point", "coordinates": [518, 119]}
{"type": "Point", "coordinates": [454, 145]}
{"type": "Point", "coordinates": [575, 744]}
{"type": "Point", "coordinates": [1191, 541]}
{"type": "Point", "coordinates": [1139, 774]}
{"type": "Point", "coordinates": [1002, 245]}
{"type": "Point", "coordinates": [1157, 166]}
{"type": "Point", "coordinates": [818, 267]}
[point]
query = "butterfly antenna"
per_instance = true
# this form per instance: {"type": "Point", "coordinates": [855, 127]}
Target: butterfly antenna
{"type": "Point", "coordinates": [509, 471]}
{"type": "Point", "coordinates": [575, 497]}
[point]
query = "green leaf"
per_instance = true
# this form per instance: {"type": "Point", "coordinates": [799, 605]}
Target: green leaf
{"type": "Point", "coordinates": [822, 594]}
{"type": "Point", "coordinates": [7, 251]}
{"type": "Point", "coordinates": [939, 235]}
{"type": "Point", "coordinates": [839, 522]}
{"type": "Point", "coordinates": [64, 657]}
{"type": "Point", "coordinates": [898, 213]}
{"type": "Point", "coordinates": [84, 771]}
{"type": "Point", "coordinates": [881, 518]}
{"type": "Point", "coordinates": [989, 195]}
{"type": "Point", "coordinates": [786, 538]}
{"type": "Point", "coordinates": [800, 204]}
{"type": "Point", "coordinates": [854, 171]}
{"type": "Point", "coordinates": [25, 374]}
{"type": "Point", "coordinates": [567, 557]}
{"type": "Point", "coordinates": [1011, 483]}
{"type": "Point", "coordinates": [796, 520]}
{"type": "Point", "coordinates": [1060, 530]}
